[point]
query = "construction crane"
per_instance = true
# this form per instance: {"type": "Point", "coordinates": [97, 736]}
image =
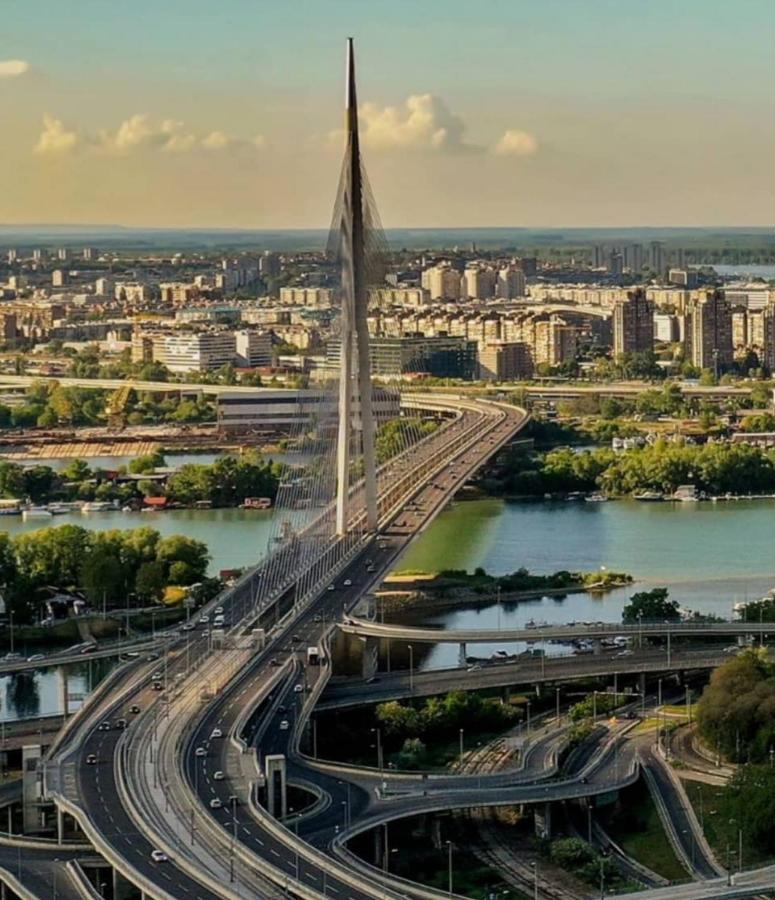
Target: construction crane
{"type": "Point", "coordinates": [116, 406]}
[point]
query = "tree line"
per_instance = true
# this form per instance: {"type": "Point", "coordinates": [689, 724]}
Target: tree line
{"type": "Point", "coordinates": [715, 468]}
{"type": "Point", "coordinates": [227, 481]}
{"type": "Point", "coordinates": [112, 568]}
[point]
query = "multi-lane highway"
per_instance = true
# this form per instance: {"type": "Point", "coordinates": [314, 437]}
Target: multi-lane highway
{"type": "Point", "coordinates": [96, 792]}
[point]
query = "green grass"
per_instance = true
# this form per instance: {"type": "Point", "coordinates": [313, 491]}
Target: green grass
{"type": "Point", "coordinates": [637, 828]}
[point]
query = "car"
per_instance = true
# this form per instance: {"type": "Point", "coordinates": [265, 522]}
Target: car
{"type": "Point", "coordinates": [284, 726]}
{"type": "Point", "coordinates": [120, 724]}
{"type": "Point", "coordinates": [624, 653]}
{"type": "Point", "coordinates": [218, 776]}
{"type": "Point", "coordinates": [157, 676]}
{"type": "Point", "coordinates": [218, 610]}
{"type": "Point", "coordinates": [157, 686]}
{"type": "Point", "coordinates": [159, 856]}
{"type": "Point", "coordinates": [370, 568]}
{"type": "Point", "coordinates": [10, 656]}
{"type": "Point", "coordinates": [216, 733]}
{"type": "Point", "coordinates": [104, 726]}
{"type": "Point", "coordinates": [274, 662]}
{"type": "Point", "coordinates": [215, 803]}
{"type": "Point", "coordinates": [91, 759]}
{"type": "Point", "coordinates": [318, 618]}
{"type": "Point", "coordinates": [296, 639]}
{"type": "Point", "coordinates": [90, 649]}
{"type": "Point", "coordinates": [474, 668]}
{"type": "Point", "coordinates": [189, 626]}
{"type": "Point", "coordinates": [204, 619]}
{"type": "Point", "coordinates": [348, 582]}
{"type": "Point", "coordinates": [298, 688]}
{"type": "Point", "coordinates": [373, 680]}
{"type": "Point", "coordinates": [36, 658]}
{"type": "Point", "coordinates": [200, 751]}
{"type": "Point", "coordinates": [134, 709]}
{"type": "Point", "coordinates": [281, 708]}
{"type": "Point", "coordinates": [331, 587]}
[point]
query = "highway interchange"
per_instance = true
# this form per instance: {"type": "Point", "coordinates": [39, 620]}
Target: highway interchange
{"type": "Point", "coordinates": [182, 774]}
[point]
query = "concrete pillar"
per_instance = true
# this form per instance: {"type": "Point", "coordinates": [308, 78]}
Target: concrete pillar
{"type": "Point", "coordinates": [370, 657]}
{"type": "Point", "coordinates": [379, 846]}
{"type": "Point", "coordinates": [542, 817]}
{"type": "Point", "coordinates": [60, 825]}
{"type": "Point", "coordinates": [462, 654]}
{"type": "Point", "coordinates": [436, 832]}
{"type": "Point", "coordinates": [642, 682]}
{"type": "Point", "coordinates": [276, 787]}
{"type": "Point", "coordinates": [597, 646]}
{"type": "Point", "coordinates": [64, 699]}
{"type": "Point", "coordinates": [31, 786]}
{"type": "Point", "coordinates": [538, 689]}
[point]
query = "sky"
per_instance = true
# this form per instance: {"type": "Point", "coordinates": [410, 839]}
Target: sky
{"type": "Point", "coordinates": [537, 113]}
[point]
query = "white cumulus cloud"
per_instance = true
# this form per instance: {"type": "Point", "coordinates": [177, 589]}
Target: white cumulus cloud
{"type": "Point", "coordinates": [12, 68]}
{"type": "Point", "coordinates": [139, 133]}
{"type": "Point", "coordinates": [55, 137]}
{"type": "Point", "coordinates": [424, 122]}
{"type": "Point", "coordinates": [515, 142]}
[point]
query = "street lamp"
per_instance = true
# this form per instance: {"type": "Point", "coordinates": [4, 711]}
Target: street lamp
{"type": "Point", "coordinates": [461, 750]}
{"type": "Point", "coordinates": [449, 865]}
{"type": "Point", "coordinates": [534, 867]}
{"type": "Point", "coordinates": [378, 732]}
{"type": "Point", "coordinates": [411, 668]}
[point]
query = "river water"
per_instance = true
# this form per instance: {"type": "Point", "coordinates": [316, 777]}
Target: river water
{"type": "Point", "coordinates": [709, 555]}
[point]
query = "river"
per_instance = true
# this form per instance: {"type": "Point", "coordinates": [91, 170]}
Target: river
{"type": "Point", "coordinates": [709, 555]}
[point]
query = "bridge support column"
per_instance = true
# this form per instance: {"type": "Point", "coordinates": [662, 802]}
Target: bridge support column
{"type": "Point", "coordinates": [379, 846]}
{"type": "Point", "coordinates": [370, 657]}
{"type": "Point", "coordinates": [642, 683]}
{"type": "Point", "coordinates": [462, 653]}
{"type": "Point", "coordinates": [31, 787]}
{"type": "Point", "coordinates": [597, 647]}
{"type": "Point", "coordinates": [276, 787]}
{"type": "Point", "coordinates": [64, 693]}
{"type": "Point", "coordinates": [60, 825]}
{"type": "Point", "coordinates": [542, 817]}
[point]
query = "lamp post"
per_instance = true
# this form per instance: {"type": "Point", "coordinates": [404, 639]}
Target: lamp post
{"type": "Point", "coordinates": [378, 732]}
{"type": "Point", "coordinates": [449, 866]}
{"type": "Point", "coordinates": [534, 867]}
{"type": "Point", "coordinates": [557, 704]}
{"type": "Point", "coordinates": [411, 668]}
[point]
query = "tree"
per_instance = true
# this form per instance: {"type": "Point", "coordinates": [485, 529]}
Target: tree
{"type": "Point", "coordinates": [181, 549]}
{"type": "Point", "coordinates": [748, 803]}
{"type": "Point", "coordinates": [12, 483]}
{"type": "Point", "coordinates": [735, 712]}
{"type": "Point", "coordinates": [150, 581]}
{"type": "Point", "coordinates": [76, 470]}
{"type": "Point", "coordinates": [651, 606]}
{"type": "Point", "coordinates": [397, 719]}
{"type": "Point", "coordinates": [412, 754]}
{"type": "Point", "coordinates": [102, 578]}
{"type": "Point", "coordinates": [52, 556]}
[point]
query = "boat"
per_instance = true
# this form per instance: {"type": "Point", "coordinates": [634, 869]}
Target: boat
{"type": "Point", "coordinates": [96, 506]}
{"type": "Point", "coordinates": [596, 498]}
{"type": "Point", "coordinates": [10, 507]}
{"type": "Point", "coordinates": [35, 512]}
{"type": "Point", "coordinates": [59, 508]}
{"type": "Point", "coordinates": [649, 496]}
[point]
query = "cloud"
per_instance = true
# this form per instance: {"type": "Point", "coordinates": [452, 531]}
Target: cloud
{"type": "Point", "coordinates": [516, 143]}
{"type": "Point", "coordinates": [55, 137]}
{"type": "Point", "coordinates": [12, 68]}
{"type": "Point", "coordinates": [424, 122]}
{"type": "Point", "coordinates": [139, 133]}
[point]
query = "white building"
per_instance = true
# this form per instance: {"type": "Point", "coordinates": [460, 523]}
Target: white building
{"type": "Point", "coordinates": [511, 283]}
{"type": "Point", "coordinates": [253, 348]}
{"type": "Point", "coordinates": [195, 351]}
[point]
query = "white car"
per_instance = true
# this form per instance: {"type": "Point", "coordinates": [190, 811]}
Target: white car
{"type": "Point", "coordinates": [347, 582]}
{"type": "Point", "coordinates": [331, 587]}
{"type": "Point", "coordinates": [204, 619]}
{"type": "Point", "coordinates": [218, 776]}
{"type": "Point", "coordinates": [216, 733]}
{"type": "Point", "coordinates": [218, 610]}
{"type": "Point", "coordinates": [284, 725]}
{"type": "Point", "coordinates": [215, 803]}
{"type": "Point", "coordinates": [159, 856]}
{"type": "Point", "coordinates": [200, 751]}
{"type": "Point", "coordinates": [298, 688]}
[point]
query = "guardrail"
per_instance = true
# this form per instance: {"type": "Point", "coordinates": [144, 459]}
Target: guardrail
{"type": "Point", "coordinates": [82, 884]}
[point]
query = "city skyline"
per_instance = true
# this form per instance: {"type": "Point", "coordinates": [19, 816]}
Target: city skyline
{"type": "Point", "coordinates": [571, 114]}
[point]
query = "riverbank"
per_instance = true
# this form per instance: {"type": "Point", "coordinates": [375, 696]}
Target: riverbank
{"type": "Point", "coordinates": [432, 592]}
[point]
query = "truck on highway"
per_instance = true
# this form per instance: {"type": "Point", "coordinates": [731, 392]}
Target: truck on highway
{"type": "Point", "coordinates": [313, 656]}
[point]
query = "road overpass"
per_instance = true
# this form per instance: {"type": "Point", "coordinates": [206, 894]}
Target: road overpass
{"type": "Point", "coordinates": [636, 632]}
{"type": "Point", "coordinates": [349, 692]}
